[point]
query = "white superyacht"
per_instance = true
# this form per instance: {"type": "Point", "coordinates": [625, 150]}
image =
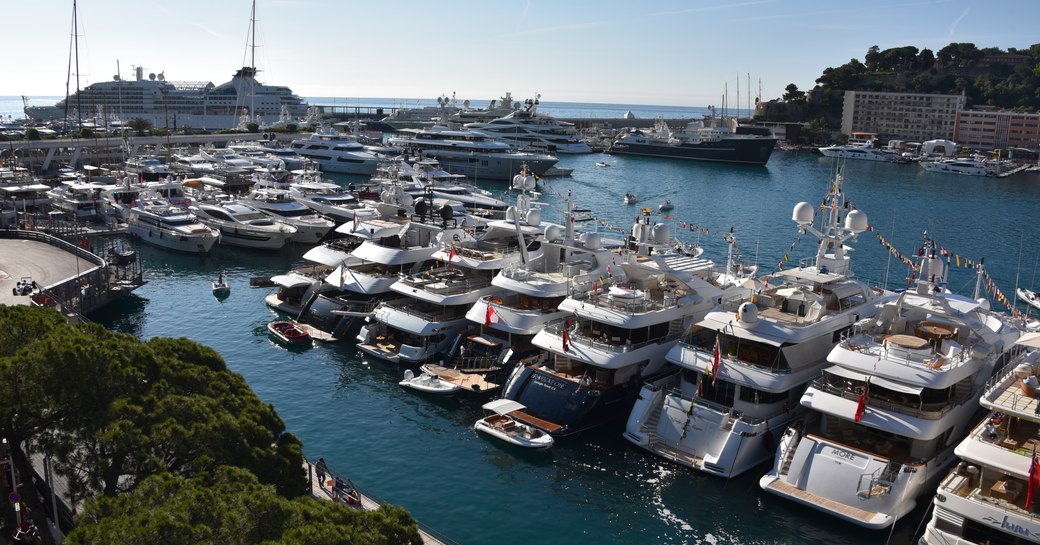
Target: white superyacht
{"type": "Point", "coordinates": [770, 345]}
{"type": "Point", "coordinates": [901, 393]}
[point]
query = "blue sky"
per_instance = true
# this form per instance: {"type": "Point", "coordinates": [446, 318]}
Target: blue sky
{"type": "Point", "coordinates": [682, 53]}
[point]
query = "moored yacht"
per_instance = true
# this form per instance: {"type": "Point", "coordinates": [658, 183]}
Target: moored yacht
{"type": "Point", "coordinates": [593, 363]}
{"type": "Point", "coordinates": [737, 383]}
{"type": "Point", "coordinates": [527, 129]}
{"type": "Point", "coordinates": [472, 153]}
{"type": "Point", "coordinates": [986, 498]}
{"type": "Point", "coordinates": [242, 225]}
{"type": "Point", "coordinates": [900, 394]}
{"type": "Point", "coordinates": [155, 221]}
{"type": "Point", "coordinates": [712, 140]}
{"type": "Point", "coordinates": [280, 205]}
{"type": "Point", "coordinates": [335, 152]}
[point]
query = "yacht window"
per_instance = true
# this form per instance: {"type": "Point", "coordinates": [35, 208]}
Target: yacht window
{"type": "Point", "coordinates": [721, 393]}
{"type": "Point", "coordinates": [762, 397]}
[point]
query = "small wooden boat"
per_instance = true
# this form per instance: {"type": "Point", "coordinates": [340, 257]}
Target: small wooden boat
{"type": "Point", "coordinates": [289, 333]}
{"type": "Point", "coordinates": [428, 383]}
{"type": "Point", "coordinates": [501, 425]}
{"type": "Point", "coordinates": [1029, 296]}
{"type": "Point", "coordinates": [221, 287]}
{"type": "Point", "coordinates": [666, 206]}
{"type": "Point", "coordinates": [630, 198]}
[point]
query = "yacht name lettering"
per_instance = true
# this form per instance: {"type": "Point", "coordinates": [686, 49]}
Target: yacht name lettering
{"type": "Point", "coordinates": [843, 454]}
{"type": "Point", "coordinates": [1020, 530]}
{"type": "Point", "coordinates": [548, 382]}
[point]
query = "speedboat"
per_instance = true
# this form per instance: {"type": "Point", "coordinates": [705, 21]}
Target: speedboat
{"type": "Point", "coordinates": [287, 332]}
{"type": "Point", "coordinates": [601, 164]}
{"type": "Point", "coordinates": [505, 424]}
{"type": "Point", "coordinates": [629, 198]}
{"type": "Point", "coordinates": [429, 383]}
{"type": "Point", "coordinates": [666, 206]}
{"type": "Point", "coordinates": [280, 205]}
{"type": "Point", "coordinates": [1029, 296]}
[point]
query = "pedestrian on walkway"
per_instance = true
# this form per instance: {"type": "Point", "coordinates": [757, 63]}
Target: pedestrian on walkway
{"type": "Point", "coordinates": [320, 469]}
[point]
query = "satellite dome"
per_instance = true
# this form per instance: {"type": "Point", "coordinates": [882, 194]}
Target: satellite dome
{"type": "Point", "coordinates": [529, 183]}
{"type": "Point", "coordinates": [747, 313]}
{"type": "Point", "coordinates": [447, 212]}
{"type": "Point", "coordinates": [592, 241]}
{"type": "Point", "coordinates": [984, 304]}
{"type": "Point", "coordinates": [661, 233]}
{"type": "Point", "coordinates": [511, 214]}
{"type": "Point", "coordinates": [151, 76]}
{"type": "Point", "coordinates": [856, 221]}
{"type": "Point", "coordinates": [534, 217]}
{"type": "Point", "coordinates": [552, 232]}
{"type": "Point", "coordinates": [407, 200]}
{"type": "Point", "coordinates": [803, 213]}
{"type": "Point", "coordinates": [421, 207]}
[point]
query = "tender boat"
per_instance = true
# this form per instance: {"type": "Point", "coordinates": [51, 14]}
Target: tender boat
{"type": "Point", "coordinates": [666, 206]}
{"type": "Point", "coordinates": [429, 383]}
{"type": "Point", "coordinates": [221, 287]}
{"type": "Point", "coordinates": [601, 164]}
{"type": "Point", "coordinates": [289, 333]}
{"type": "Point", "coordinates": [630, 198]}
{"type": "Point", "coordinates": [1029, 296]}
{"type": "Point", "coordinates": [504, 424]}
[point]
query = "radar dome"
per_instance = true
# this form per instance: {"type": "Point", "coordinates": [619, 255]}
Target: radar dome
{"type": "Point", "coordinates": [407, 200]}
{"type": "Point", "coordinates": [552, 232]}
{"type": "Point", "coordinates": [518, 181]}
{"type": "Point", "coordinates": [856, 221]}
{"type": "Point", "coordinates": [534, 217]}
{"type": "Point", "coordinates": [465, 103]}
{"type": "Point", "coordinates": [592, 241]}
{"type": "Point", "coordinates": [151, 76]}
{"type": "Point", "coordinates": [661, 233]}
{"type": "Point", "coordinates": [803, 213]}
{"type": "Point", "coordinates": [385, 195]}
{"type": "Point", "coordinates": [747, 313]}
{"type": "Point", "coordinates": [637, 232]}
{"type": "Point", "coordinates": [511, 214]}
{"type": "Point", "coordinates": [984, 304]}
{"type": "Point", "coordinates": [529, 183]}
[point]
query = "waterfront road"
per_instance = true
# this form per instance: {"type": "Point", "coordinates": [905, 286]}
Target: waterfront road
{"type": "Point", "coordinates": [34, 260]}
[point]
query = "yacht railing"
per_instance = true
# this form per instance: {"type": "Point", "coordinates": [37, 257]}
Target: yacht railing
{"type": "Point", "coordinates": [439, 314]}
{"type": "Point", "coordinates": [878, 344]}
{"type": "Point", "coordinates": [614, 344]}
{"type": "Point", "coordinates": [877, 403]}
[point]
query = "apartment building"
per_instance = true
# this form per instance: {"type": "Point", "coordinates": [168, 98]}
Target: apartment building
{"type": "Point", "coordinates": [914, 117]}
{"type": "Point", "coordinates": [991, 129]}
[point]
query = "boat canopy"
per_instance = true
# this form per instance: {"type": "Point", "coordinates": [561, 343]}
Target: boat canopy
{"type": "Point", "coordinates": [290, 280]}
{"type": "Point", "coordinates": [503, 406]}
{"type": "Point", "coordinates": [324, 255]}
{"type": "Point", "coordinates": [875, 380]}
{"type": "Point", "coordinates": [1029, 339]}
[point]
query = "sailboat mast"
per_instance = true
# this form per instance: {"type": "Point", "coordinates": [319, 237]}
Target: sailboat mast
{"type": "Point", "coordinates": [252, 39]}
{"type": "Point", "coordinates": [79, 97]}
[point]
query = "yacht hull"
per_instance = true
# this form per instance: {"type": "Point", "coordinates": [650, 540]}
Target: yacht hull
{"type": "Point", "coordinates": [748, 151]}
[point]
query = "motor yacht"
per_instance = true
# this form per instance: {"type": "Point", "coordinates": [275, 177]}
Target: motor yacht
{"type": "Point", "coordinates": [526, 129]}
{"type": "Point", "coordinates": [242, 225]}
{"type": "Point", "coordinates": [593, 363]}
{"type": "Point", "coordinates": [156, 221]}
{"type": "Point", "coordinates": [336, 152]}
{"type": "Point", "coordinates": [148, 167]}
{"type": "Point", "coordinates": [900, 394]}
{"type": "Point", "coordinates": [280, 205]}
{"type": "Point", "coordinates": [737, 383]}
{"type": "Point", "coordinates": [985, 499]}
{"type": "Point", "coordinates": [470, 153]}
{"type": "Point", "coordinates": [710, 139]}
{"type": "Point", "coordinates": [967, 166]}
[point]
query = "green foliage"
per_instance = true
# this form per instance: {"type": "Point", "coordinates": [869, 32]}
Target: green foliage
{"type": "Point", "coordinates": [291, 127]}
{"type": "Point", "coordinates": [253, 127]}
{"type": "Point", "coordinates": [793, 94]}
{"type": "Point", "coordinates": [140, 125]}
{"type": "Point", "coordinates": [230, 507]}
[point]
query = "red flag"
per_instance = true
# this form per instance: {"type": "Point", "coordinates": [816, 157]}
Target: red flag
{"type": "Point", "coordinates": [487, 317]}
{"type": "Point", "coordinates": [862, 400]}
{"type": "Point", "coordinates": [1034, 479]}
{"type": "Point", "coordinates": [567, 336]}
{"type": "Point", "coordinates": [451, 254]}
{"type": "Point", "coordinates": [716, 360]}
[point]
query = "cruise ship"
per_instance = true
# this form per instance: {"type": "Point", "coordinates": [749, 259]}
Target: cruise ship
{"type": "Point", "coordinates": [700, 140]}
{"type": "Point", "coordinates": [986, 498]}
{"type": "Point", "coordinates": [169, 104]}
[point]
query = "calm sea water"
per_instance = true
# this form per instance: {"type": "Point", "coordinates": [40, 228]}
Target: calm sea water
{"type": "Point", "coordinates": [422, 453]}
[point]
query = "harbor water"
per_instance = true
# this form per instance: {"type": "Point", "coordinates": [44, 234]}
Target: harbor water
{"type": "Point", "coordinates": [422, 453]}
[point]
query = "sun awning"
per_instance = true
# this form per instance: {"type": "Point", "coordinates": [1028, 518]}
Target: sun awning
{"type": "Point", "coordinates": [1029, 339]}
{"type": "Point", "coordinates": [326, 256]}
{"type": "Point", "coordinates": [874, 380]}
{"type": "Point", "coordinates": [503, 406]}
{"type": "Point", "coordinates": [290, 280]}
